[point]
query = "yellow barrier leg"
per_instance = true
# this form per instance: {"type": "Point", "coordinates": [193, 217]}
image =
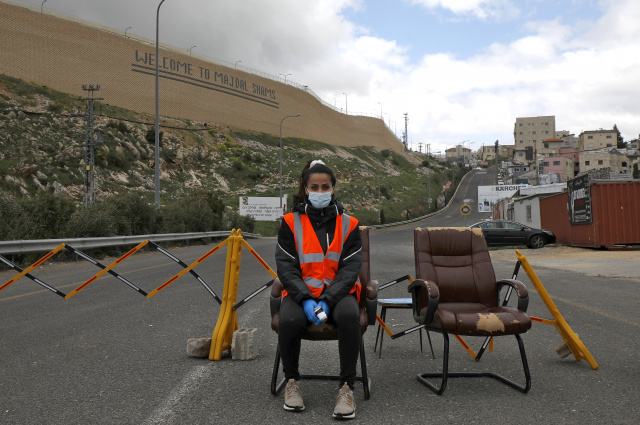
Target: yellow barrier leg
{"type": "Point", "coordinates": [33, 266]}
{"type": "Point", "coordinates": [574, 343]}
{"type": "Point", "coordinates": [227, 319]}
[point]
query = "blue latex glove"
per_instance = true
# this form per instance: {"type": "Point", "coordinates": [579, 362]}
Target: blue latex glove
{"type": "Point", "coordinates": [308, 306]}
{"type": "Point", "coordinates": [325, 307]}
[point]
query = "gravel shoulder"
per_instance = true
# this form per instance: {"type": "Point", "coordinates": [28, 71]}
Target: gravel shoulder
{"type": "Point", "coordinates": [593, 262]}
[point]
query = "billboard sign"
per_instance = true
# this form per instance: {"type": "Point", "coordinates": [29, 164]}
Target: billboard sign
{"type": "Point", "coordinates": [262, 208]}
{"type": "Point", "coordinates": [579, 191]}
{"type": "Point", "coordinates": [488, 196]}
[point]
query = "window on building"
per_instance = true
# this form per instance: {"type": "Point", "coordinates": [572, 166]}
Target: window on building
{"type": "Point", "coordinates": [528, 212]}
{"type": "Point", "coordinates": [545, 163]}
{"type": "Point", "coordinates": [520, 124]}
{"type": "Point", "coordinates": [600, 162]}
{"type": "Point", "coordinates": [587, 163]}
{"type": "Point", "coordinates": [608, 136]}
{"type": "Point", "coordinates": [589, 137]}
{"type": "Point", "coordinates": [546, 123]}
{"type": "Point", "coordinates": [521, 141]}
{"type": "Point", "coordinates": [521, 133]}
{"type": "Point", "coordinates": [624, 163]}
{"type": "Point", "coordinates": [534, 132]}
{"type": "Point", "coordinates": [520, 154]}
{"type": "Point", "coordinates": [590, 146]}
{"type": "Point", "coordinates": [517, 170]}
{"type": "Point", "coordinates": [609, 145]}
{"type": "Point", "coordinates": [556, 162]}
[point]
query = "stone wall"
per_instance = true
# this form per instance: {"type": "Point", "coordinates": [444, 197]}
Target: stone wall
{"type": "Point", "coordinates": [64, 55]}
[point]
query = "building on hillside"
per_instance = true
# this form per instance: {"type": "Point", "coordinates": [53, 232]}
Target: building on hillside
{"type": "Point", "coordinates": [515, 171]}
{"type": "Point", "coordinates": [506, 151]}
{"type": "Point", "coordinates": [488, 152]}
{"type": "Point", "coordinates": [458, 154]}
{"type": "Point", "coordinates": [551, 146]}
{"type": "Point", "coordinates": [528, 134]}
{"type": "Point", "coordinates": [569, 139]}
{"type": "Point", "coordinates": [561, 166]}
{"type": "Point", "coordinates": [612, 159]}
{"type": "Point", "coordinates": [598, 139]}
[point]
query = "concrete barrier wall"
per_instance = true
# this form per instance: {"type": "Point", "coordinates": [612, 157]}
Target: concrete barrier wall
{"type": "Point", "coordinates": [64, 55]}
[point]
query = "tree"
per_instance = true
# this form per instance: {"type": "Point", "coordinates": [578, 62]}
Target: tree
{"type": "Point", "coordinates": [620, 143]}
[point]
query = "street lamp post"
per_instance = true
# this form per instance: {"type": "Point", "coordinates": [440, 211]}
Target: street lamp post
{"type": "Point", "coordinates": [42, 5]}
{"type": "Point", "coordinates": [281, 121]}
{"type": "Point", "coordinates": [125, 32]}
{"type": "Point", "coordinates": [285, 77]}
{"type": "Point", "coordinates": [236, 65]}
{"type": "Point", "coordinates": [380, 109]}
{"type": "Point", "coordinates": [346, 104]}
{"type": "Point", "coordinates": [190, 49]}
{"type": "Point", "coordinates": [157, 127]}
{"type": "Point", "coordinates": [379, 199]}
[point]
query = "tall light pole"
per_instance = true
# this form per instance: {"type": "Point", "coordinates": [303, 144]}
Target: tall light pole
{"type": "Point", "coordinates": [190, 49]}
{"type": "Point", "coordinates": [157, 128]}
{"type": "Point", "coordinates": [379, 199]}
{"type": "Point", "coordinates": [125, 31]}
{"type": "Point", "coordinates": [42, 5]}
{"type": "Point", "coordinates": [285, 77]}
{"type": "Point", "coordinates": [281, 121]}
{"type": "Point", "coordinates": [346, 104]}
{"type": "Point", "coordinates": [236, 65]}
{"type": "Point", "coordinates": [389, 120]}
{"type": "Point", "coordinates": [380, 109]}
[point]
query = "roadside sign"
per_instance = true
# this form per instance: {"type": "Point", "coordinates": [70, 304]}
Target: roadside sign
{"type": "Point", "coordinates": [262, 208]}
{"type": "Point", "coordinates": [465, 209]}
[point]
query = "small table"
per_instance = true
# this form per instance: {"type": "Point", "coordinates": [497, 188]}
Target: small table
{"type": "Point", "coordinates": [392, 303]}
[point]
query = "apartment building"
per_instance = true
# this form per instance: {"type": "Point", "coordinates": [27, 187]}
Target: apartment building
{"type": "Point", "coordinates": [528, 134]}
{"type": "Point", "coordinates": [569, 139]}
{"type": "Point", "coordinates": [605, 158]}
{"type": "Point", "coordinates": [598, 139]}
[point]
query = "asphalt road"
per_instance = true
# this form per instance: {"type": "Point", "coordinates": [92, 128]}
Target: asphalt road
{"type": "Point", "coordinates": [110, 356]}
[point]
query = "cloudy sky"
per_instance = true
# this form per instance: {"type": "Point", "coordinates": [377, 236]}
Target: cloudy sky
{"type": "Point", "coordinates": [463, 70]}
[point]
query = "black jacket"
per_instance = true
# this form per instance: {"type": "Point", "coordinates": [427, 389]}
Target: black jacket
{"type": "Point", "coordinates": [324, 224]}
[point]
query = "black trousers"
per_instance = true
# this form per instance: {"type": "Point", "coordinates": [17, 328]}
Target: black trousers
{"type": "Point", "coordinates": [293, 321]}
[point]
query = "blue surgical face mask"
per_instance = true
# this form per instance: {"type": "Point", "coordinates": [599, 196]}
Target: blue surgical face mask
{"type": "Point", "coordinates": [320, 199]}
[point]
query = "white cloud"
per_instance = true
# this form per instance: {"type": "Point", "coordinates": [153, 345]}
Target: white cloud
{"type": "Point", "coordinates": [480, 9]}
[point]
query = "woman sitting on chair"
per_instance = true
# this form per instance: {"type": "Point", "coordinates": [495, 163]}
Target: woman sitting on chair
{"type": "Point", "coordinates": [318, 257]}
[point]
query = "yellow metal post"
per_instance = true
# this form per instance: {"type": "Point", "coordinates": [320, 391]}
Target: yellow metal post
{"type": "Point", "coordinates": [228, 319]}
{"type": "Point", "coordinates": [574, 343]}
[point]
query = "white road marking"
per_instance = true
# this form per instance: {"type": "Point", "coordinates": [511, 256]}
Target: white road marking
{"type": "Point", "coordinates": [190, 383]}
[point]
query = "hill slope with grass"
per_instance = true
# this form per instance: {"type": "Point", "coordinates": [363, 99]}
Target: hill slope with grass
{"type": "Point", "coordinates": [204, 170]}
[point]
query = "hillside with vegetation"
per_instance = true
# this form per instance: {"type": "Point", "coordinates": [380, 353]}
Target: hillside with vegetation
{"type": "Point", "coordinates": [205, 168]}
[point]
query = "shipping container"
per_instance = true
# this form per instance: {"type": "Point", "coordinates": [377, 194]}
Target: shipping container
{"type": "Point", "coordinates": [615, 216]}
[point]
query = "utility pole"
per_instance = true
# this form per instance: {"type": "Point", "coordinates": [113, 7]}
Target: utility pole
{"type": "Point", "coordinates": [406, 137]}
{"type": "Point", "coordinates": [496, 159]}
{"type": "Point", "coordinates": [89, 186]}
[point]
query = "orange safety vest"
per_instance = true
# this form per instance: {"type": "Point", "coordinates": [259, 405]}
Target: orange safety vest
{"type": "Point", "coordinates": [319, 269]}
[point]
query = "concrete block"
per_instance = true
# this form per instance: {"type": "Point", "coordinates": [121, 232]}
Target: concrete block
{"type": "Point", "coordinates": [198, 347]}
{"type": "Point", "coordinates": [244, 344]}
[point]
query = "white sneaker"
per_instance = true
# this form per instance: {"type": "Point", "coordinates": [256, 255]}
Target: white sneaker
{"type": "Point", "coordinates": [293, 397]}
{"type": "Point", "coordinates": [345, 405]}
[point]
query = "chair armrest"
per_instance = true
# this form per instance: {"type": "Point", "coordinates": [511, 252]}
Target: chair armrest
{"type": "Point", "coordinates": [521, 290]}
{"type": "Point", "coordinates": [276, 297]}
{"type": "Point", "coordinates": [371, 300]}
{"type": "Point", "coordinates": [417, 289]}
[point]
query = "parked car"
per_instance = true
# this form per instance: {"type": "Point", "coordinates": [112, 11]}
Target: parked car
{"type": "Point", "coordinates": [504, 232]}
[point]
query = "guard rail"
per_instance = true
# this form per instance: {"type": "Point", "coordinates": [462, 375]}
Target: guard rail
{"type": "Point", "coordinates": [43, 245]}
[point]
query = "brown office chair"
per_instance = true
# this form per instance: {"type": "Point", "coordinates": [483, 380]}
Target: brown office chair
{"type": "Point", "coordinates": [326, 331]}
{"type": "Point", "coordinates": [456, 292]}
